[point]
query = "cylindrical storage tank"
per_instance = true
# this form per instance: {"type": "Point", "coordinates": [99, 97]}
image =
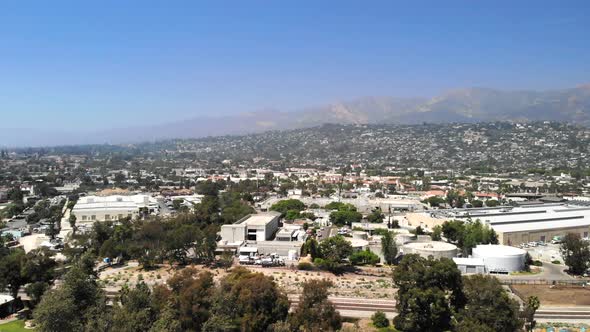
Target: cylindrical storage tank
{"type": "Point", "coordinates": [435, 249]}
{"type": "Point", "coordinates": [499, 258]}
{"type": "Point", "coordinates": [360, 235]}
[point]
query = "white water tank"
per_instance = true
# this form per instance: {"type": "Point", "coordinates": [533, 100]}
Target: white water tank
{"type": "Point", "coordinates": [436, 249]}
{"type": "Point", "coordinates": [499, 258]}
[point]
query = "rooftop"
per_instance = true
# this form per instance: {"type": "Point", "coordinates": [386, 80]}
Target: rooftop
{"type": "Point", "coordinates": [260, 219]}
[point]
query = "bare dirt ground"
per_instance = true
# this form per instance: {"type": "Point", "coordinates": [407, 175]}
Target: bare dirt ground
{"type": "Point", "coordinates": [556, 296]}
{"type": "Point", "coordinates": [346, 285]}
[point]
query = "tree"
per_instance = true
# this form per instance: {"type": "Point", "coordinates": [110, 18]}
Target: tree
{"type": "Point", "coordinates": [11, 277]}
{"type": "Point", "coordinates": [489, 305]}
{"type": "Point", "coordinates": [477, 203]}
{"type": "Point", "coordinates": [57, 311]}
{"type": "Point", "coordinates": [72, 221]}
{"type": "Point", "coordinates": [528, 314]}
{"type": "Point", "coordinates": [453, 230]}
{"type": "Point", "coordinates": [332, 251]}
{"type": "Point", "coordinates": [314, 312]}
{"type": "Point", "coordinates": [429, 291]}
{"type": "Point", "coordinates": [292, 215]}
{"type": "Point", "coordinates": [379, 319]}
{"type": "Point", "coordinates": [364, 257]}
{"type": "Point", "coordinates": [286, 205]}
{"type": "Point", "coordinates": [66, 308]}
{"type": "Point", "coordinates": [376, 216]}
{"type": "Point", "coordinates": [436, 233]}
{"type": "Point", "coordinates": [492, 203]}
{"type": "Point", "coordinates": [418, 231]}
{"type": "Point", "coordinates": [256, 303]}
{"type": "Point", "coordinates": [345, 217]}
{"type": "Point", "coordinates": [136, 312]}
{"type": "Point", "coordinates": [434, 201]}
{"type": "Point", "coordinates": [575, 253]}
{"type": "Point", "coordinates": [389, 248]}
{"type": "Point", "coordinates": [310, 247]}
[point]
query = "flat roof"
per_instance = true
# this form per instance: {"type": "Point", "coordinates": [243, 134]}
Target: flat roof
{"type": "Point", "coordinates": [542, 225]}
{"type": "Point", "coordinates": [260, 219]}
{"type": "Point", "coordinates": [468, 261]}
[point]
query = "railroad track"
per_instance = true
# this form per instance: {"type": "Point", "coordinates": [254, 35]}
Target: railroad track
{"type": "Point", "coordinates": [356, 304]}
{"type": "Point", "coordinates": [557, 314]}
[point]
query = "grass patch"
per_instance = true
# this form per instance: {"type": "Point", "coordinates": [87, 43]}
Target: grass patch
{"type": "Point", "coordinates": [14, 326]}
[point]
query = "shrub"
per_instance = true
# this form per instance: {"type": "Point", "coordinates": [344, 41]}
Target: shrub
{"type": "Point", "coordinates": [364, 257]}
{"type": "Point", "coordinates": [537, 263]}
{"type": "Point", "coordinates": [380, 320]}
{"type": "Point", "coordinates": [556, 262]}
{"type": "Point", "coordinates": [305, 266]}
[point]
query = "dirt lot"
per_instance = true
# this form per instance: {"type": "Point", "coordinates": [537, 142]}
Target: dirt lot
{"type": "Point", "coordinates": [347, 285]}
{"type": "Point", "coordinates": [556, 296]}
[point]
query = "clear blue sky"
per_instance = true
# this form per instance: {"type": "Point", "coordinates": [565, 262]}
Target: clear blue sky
{"type": "Point", "coordinates": [97, 64]}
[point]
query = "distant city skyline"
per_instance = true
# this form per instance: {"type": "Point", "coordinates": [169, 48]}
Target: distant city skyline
{"type": "Point", "coordinates": [89, 67]}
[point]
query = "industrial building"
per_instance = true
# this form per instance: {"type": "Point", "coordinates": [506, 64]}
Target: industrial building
{"type": "Point", "coordinates": [254, 227]}
{"type": "Point", "coordinates": [516, 225]}
{"type": "Point", "coordinates": [114, 207]}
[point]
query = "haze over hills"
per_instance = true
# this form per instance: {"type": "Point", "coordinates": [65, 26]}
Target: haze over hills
{"type": "Point", "coordinates": [464, 105]}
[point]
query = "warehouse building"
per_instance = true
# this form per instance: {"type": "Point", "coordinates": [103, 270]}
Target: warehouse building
{"type": "Point", "coordinates": [516, 225]}
{"type": "Point", "coordinates": [536, 223]}
{"type": "Point", "coordinates": [254, 227]}
{"type": "Point", "coordinates": [114, 207]}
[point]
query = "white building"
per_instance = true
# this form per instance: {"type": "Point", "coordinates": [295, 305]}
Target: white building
{"type": "Point", "coordinates": [115, 207]}
{"type": "Point", "coordinates": [499, 258]}
{"type": "Point", "coordinates": [255, 227]}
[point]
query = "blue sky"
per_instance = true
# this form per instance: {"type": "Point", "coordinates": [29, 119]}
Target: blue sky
{"type": "Point", "coordinates": [103, 64]}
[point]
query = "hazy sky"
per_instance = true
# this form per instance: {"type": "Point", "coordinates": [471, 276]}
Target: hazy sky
{"type": "Point", "coordinates": [97, 64]}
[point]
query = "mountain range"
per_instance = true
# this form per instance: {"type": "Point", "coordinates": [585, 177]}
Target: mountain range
{"type": "Point", "coordinates": [463, 105]}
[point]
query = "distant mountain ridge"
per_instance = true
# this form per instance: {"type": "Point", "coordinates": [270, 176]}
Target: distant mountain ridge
{"type": "Point", "coordinates": [463, 105]}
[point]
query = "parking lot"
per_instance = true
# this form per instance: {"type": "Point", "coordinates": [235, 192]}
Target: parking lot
{"type": "Point", "coordinates": [546, 253]}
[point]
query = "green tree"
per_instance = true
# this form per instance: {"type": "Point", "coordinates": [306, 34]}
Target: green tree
{"type": "Point", "coordinates": [256, 302]}
{"type": "Point", "coordinates": [314, 312]}
{"type": "Point", "coordinates": [72, 221]}
{"type": "Point", "coordinates": [288, 204]}
{"type": "Point", "coordinates": [389, 248]}
{"type": "Point", "coordinates": [364, 257]}
{"type": "Point", "coordinates": [477, 203]}
{"type": "Point", "coordinates": [429, 291]}
{"type": "Point", "coordinates": [292, 215]}
{"type": "Point", "coordinates": [376, 216]}
{"type": "Point", "coordinates": [575, 253]}
{"type": "Point", "coordinates": [436, 233]}
{"type": "Point", "coordinates": [492, 203]}
{"type": "Point", "coordinates": [310, 247]}
{"type": "Point", "coordinates": [345, 217]}
{"type": "Point", "coordinates": [380, 320]}
{"type": "Point", "coordinates": [489, 305]}
{"type": "Point", "coordinates": [528, 314]}
{"type": "Point", "coordinates": [11, 277]}
{"type": "Point", "coordinates": [333, 251]}
{"type": "Point", "coordinates": [136, 312]}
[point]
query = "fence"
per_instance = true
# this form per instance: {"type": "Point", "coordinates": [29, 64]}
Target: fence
{"type": "Point", "coordinates": [567, 283]}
